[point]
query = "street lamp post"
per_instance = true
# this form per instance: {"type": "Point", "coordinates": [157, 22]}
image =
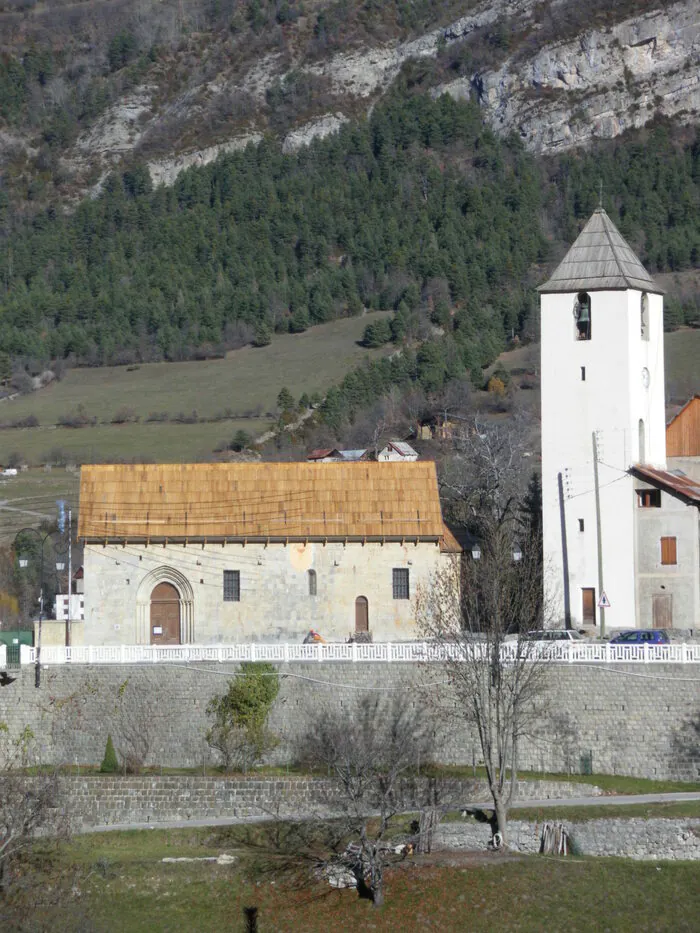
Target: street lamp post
{"type": "Point", "coordinates": [23, 562]}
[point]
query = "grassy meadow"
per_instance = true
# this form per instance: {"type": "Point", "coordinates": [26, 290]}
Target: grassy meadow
{"type": "Point", "coordinates": [246, 380]}
{"type": "Point", "coordinates": [118, 882]}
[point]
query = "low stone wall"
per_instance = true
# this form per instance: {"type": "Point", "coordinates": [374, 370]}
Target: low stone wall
{"type": "Point", "coordinates": [634, 838]}
{"type": "Point", "coordinates": [104, 800]}
{"type": "Point", "coordinates": [635, 719]}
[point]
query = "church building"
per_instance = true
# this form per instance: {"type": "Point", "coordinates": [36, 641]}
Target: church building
{"type": "Point", "coordinates": [620, 527]}
{"type": "Point", "coordinates": [210, 553]}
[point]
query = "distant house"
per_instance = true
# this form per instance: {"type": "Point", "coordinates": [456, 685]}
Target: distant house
{"type": "Point", "coordinates": [397, 451]}
{"type": "Point", "coordinates": [212, 553]}
{"type": "Point", "coordinates": [334, 455]}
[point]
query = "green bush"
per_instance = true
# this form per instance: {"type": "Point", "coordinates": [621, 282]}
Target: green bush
{"type": "Point", "coordinates": [110, 762]}
{"type": "Point", "coordinates": [239, 731]}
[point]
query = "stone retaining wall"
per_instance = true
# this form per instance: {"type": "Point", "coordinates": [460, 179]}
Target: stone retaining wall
{"type": "Point", "coordinates": [104, 800]}
{"type": "Point", "coordinates": [634, 838]}
{"type": "Point", "coordinates": [635, 719]}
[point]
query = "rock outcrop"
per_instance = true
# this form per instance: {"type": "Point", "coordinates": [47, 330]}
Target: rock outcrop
{"type": "Point", "coordinates": [599, 84]}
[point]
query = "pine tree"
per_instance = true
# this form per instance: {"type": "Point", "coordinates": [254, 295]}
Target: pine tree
{"type": "Point", "coordinates": [110, 762]}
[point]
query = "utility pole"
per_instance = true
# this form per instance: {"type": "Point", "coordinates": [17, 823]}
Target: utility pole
{"type": "Point", "coordinates": [598, 532]}
{"type": "Point", "coordinates": [70, 578]}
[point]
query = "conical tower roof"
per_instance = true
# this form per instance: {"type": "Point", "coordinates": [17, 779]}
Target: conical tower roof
{"type": "Point", "coordinates": [600, 259]}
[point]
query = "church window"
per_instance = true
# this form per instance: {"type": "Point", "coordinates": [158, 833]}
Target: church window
{"type": "Point", "coordinates": [645, 316]}
{"type": "Point", "coordinates": [232, 586]}
{"type": "Point", "coordinates": [400, 582]}
{"type": "Point", "coordinates": [649, 498]}
{"type": "Point", "coordinates": [582, 316]}
{"type": "Point", "coordinates": [668, 551]}
{"type": "Point", "coordinates": [312, 582]}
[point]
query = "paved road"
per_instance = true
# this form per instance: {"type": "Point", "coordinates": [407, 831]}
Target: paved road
{"type": "Point", "coordinates": [620, 800]}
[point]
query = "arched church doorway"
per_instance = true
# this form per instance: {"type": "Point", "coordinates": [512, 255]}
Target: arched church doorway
{"type": "Point", "coordinates": [165, 615]}
{"type": "Point", "coordinates": [361, 615]}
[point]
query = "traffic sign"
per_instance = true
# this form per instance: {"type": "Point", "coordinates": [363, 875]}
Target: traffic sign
{"type": "Point", "coordinates": [603, 602]}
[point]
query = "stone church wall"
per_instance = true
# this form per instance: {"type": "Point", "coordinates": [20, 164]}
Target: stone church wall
{"type": "Point", "coordinates": [275, 603]}
{"type": "Point", "coordinates": [633, 721]}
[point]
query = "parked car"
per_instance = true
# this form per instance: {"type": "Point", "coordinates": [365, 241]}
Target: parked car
{"type": "Point", "coordinates": [555, 634]}
{"type": "Point", "coordinates": [646, 636]}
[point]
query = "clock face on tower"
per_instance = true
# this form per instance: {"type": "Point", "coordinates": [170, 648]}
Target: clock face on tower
{"type": "Point", "coordinates": [646, 378]}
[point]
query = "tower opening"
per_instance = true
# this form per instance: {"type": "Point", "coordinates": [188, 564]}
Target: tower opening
{"type": "Point", "coordinates": [644, 317]}
{"type": "Point", "coordinates": [582, 316]}
{"type": "Point", "coordinates": [642, 441]}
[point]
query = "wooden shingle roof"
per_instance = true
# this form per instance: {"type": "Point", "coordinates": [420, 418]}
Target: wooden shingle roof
{"type": "Point", "coordinates": [276, 501]}
{"type": "Point", "coordinates": [600, 259]}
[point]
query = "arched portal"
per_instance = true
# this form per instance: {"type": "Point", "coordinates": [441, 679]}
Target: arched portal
{"type": "Point", "coordinates": [165, 615]}
{"type": "Point", "coordinates": [163, 586]}
{"type": "Point", "coordinates": [361, 615]}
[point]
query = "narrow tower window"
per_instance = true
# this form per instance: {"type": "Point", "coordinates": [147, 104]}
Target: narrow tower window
{"type": "Point", "coordinates": [583, 374]}
{"type": "Point", "coordinates": [582, 316]}
{"type": "Point", "coordinates": [312, 582]}
{"type": "Point", "coordinates": [642, 442]}
{"type": "Point", "coordinates": [645, 316]}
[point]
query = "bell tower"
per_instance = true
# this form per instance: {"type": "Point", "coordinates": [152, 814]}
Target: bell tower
{"type": "Point", "coordinates": [603, 410]}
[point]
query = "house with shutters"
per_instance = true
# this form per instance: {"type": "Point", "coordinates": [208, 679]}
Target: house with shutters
{"type": "Point", "coordinates": [210, 553]}
{"type": "Point", "coordinates": [620, 490]}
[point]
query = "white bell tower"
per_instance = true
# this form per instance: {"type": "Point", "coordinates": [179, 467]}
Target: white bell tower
{"type": "Point", "coordinates": [602, 400]}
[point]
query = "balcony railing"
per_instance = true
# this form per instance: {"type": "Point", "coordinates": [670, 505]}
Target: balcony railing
{"type": "Point", "coordinates": [385, 652]}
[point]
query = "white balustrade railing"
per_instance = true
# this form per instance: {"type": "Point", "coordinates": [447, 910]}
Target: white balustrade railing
{"type": "Point", "coordinates": [411, 651]}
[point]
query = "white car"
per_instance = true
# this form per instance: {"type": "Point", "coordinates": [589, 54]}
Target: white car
{"type": "Point", "coordinates": [554, 634]}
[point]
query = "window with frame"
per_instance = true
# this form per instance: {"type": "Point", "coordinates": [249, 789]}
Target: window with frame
{"type": "Point", "coordinates": [232, 586]}
{"type": "Point", "coordinates": [311, 574]}
{"type": "Point", "coordinates": [668, 551]}
{"type": "Point", "coordinates": [649, 498]}
{"type": "Point", "coordinates": [399, 577]}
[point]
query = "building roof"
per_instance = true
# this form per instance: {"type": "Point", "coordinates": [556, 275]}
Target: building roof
{"type": "Point", "coordinates": [674, 482]}
{"type": "Point", "coordinates": [600, 259]}
{"type": "Point", "coordinates": [280, 501]}
{"type": "Point", "coordinates": [402, 448]}
{"type": "Point", "coordinates": [321, 453]}
{"type": "Point", "coordinates": [683, 431]}
{"type": "Point", "coordinates": [352, 455]}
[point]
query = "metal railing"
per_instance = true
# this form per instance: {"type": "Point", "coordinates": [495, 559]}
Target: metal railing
{"type": "Point", "coordinates": [413, 651]}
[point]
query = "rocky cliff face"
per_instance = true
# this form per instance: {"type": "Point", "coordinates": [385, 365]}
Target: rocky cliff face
{"type": "Point", "coordinates": [555, 93]}
{"type": "Point", "coordinates": [599, 84]}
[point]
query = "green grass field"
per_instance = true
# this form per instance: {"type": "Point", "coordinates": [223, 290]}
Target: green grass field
{"type": "Point", "coordinates": [682, 364]}
{"type": "Point", "coordinates": [118, 882]}
{"type": "Point", "coordinates": [246, 380]}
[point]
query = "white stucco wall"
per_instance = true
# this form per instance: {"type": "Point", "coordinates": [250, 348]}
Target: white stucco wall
{"type": "Point", "coordinates": [275, 604]}
{"type": "Point", "coordinates": [611, 401]}
{"type": "Point", "coordinates": [674, 519]}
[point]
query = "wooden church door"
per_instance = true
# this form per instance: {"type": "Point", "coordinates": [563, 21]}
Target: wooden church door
{"type": "Point", "coordinates": [165, 615]}
{"type": "Point", "coordinates": [361, 615]}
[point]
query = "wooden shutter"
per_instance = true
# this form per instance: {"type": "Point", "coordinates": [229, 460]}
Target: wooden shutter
{"type": "Point", "coordinates": [668, 551]}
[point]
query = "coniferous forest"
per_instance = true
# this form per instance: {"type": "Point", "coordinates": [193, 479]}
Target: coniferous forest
{"type": "Point", "coordinates": [420, 208]}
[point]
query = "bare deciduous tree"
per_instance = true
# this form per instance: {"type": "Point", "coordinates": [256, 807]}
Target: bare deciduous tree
{"type": "Point", "coordinates": [372, 753]}
{"type": "Point", "coordinates": [480, 608]}
{"type": "Point", "coordinates": [28, 805]}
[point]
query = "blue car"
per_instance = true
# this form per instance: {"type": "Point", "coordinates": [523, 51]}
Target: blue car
{"type": "Point", "coordinates": [647, 636]}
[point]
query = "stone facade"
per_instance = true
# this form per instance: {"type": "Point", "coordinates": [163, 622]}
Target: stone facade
{"type": "Point", "coordinates": [636, 838]}
{"type": "Point", "coordinates": [634, 719]}
{"type": "Point", "coordinates": [105, 800]}
{"type": "Point", "coordinates": [276, 602]}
